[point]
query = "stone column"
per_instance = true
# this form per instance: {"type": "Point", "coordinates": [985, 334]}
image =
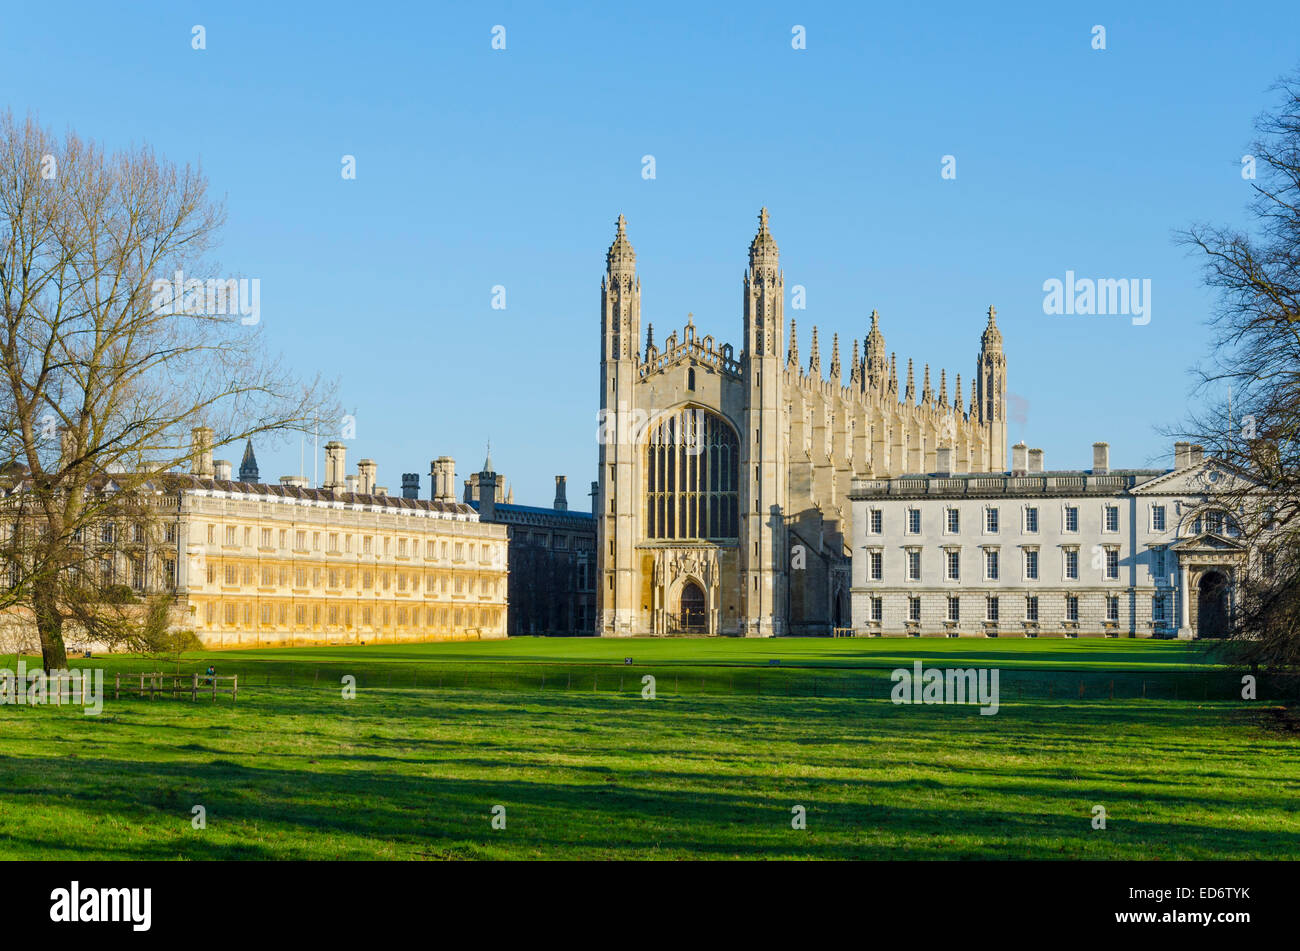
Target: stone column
{"type": "Point", "coordinates": [1184, 609]}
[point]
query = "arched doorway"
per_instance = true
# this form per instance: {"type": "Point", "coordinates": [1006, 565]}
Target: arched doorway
{"type": "Point", "coordinates": [1212, 605]}
{"type": "Point", "coordinates": [693, 617]}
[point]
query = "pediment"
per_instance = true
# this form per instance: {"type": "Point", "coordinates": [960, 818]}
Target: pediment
{"type": "Point", "coordinates": [1211, 477]}
{"type": "Point", "coordinates": [1207, 542]}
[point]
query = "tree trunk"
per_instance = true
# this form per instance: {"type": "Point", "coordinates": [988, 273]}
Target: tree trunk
{"type": "Point", "coordinates": [49, 625]}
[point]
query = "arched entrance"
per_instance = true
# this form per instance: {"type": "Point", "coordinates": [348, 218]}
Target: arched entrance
{"type": "Point", "coordinates": [1212, 605]}
{"type": "Point", "coordinates": [694, 620]}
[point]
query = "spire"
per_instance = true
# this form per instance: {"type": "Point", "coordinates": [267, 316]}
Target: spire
{"type": "Point", "coordinates": [893, 373]}
{"type": "Point", "coordinates": [956, 400]}
{"type": "Point", "coordinates": [836, 374]}
{"type": "Point", "coordinates": [649, 339]}
{"type": "Point", "coordinates": [875, 351]}
{"type": "Point", "coordinates": [815, 361]}
{"type": "Point", "coordinates": [943, 387]}
{"type": "Point", "coordinates": [762, 250]}
{"type": "Point", "coordinates": [792, 355]}
{"type": "Point", "coordinates": [974, 397]}
{"type": "Point", "coordinates": [992, 337]}
{"type": "Point", "coordinates": [909, 394]}
{"type": "Point", "coordinates": [621, 259]}
{"type": "Point", "coordinates": [927, 394]}
{"type": "Point", "coordinates": [855, 371]}
{"type": "Point", "coordinates": [487, 463]}
{"type": "Point", "coordinates": [248, 468]}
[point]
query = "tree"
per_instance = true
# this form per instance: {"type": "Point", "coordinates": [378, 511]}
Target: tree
{"type": "Point", "coordinates": [104, 372]}
{"type": "Point", "coordinates": [1252, 382]}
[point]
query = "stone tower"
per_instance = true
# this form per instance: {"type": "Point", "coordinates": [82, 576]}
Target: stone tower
{"type": "Point", "coordinates": [620, 306]}
{"type": "Point", "coordinates": [762, 467]}
{"type": "Point", "coordinates": [991, 389]}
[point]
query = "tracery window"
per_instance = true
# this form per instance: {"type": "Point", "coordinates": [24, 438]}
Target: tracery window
{"type": "Point", "coordinates": [692, 477]}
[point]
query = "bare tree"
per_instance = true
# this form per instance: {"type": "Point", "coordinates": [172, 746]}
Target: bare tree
{"type": "Point", "coordinates": [104, 374]}
{"type": "Point", "coordinates": [1251, 385]}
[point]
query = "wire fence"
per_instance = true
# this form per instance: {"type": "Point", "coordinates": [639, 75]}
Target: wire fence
{"type": "Point", "coordinates": [1014, 684]}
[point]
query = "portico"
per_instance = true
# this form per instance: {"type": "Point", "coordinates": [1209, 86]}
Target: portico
{"type": "Point", "coordinates": [1207, 580]}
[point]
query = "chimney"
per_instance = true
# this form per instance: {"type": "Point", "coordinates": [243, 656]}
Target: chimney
{"type": "Point", "coordinates": [595, 499]}
{"type": "Point", "coordinates": [221, 468]}
{"type": "Point", "coordinates": [1020, 459]}
{"type": "Point", "coordinates": [1197, 454]}
{"type": "Point", "coordinates": [201, 450]}
{"type": "Point", "coordinates": [1182, 455]}
{"type": "Point", "coordinates": [366, 470]}
{"type": "Point", "coordinates": [379, 490]}
{"type": "Point", "coordinates": [487, 496]}
{"type": "Point", "coordinates": [410, 485]}
{"type": "Point", "coordinates": [561, 501]}
{"type": "Point", "coordinates": [350, 484]}
{"type": "Point", "coordinates": [442, 479]}
{"type": "Point", "coordinates": [943, 460]}
{"type": "Point", "coordinates": [294, 481]}
{"type": "Point", "coordinates": [1035, 461]}
{"type": "Point", "coordinates": [335, 454]}
{"type": "Point", "coordinates": [1100, 458]}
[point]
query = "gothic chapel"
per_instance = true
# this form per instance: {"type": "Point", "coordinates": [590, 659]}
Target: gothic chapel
{"type": "Point", "coordinates": [724, 476]}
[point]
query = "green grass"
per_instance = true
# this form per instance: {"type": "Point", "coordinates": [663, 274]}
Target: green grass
{"type": "Point", "coordinates": [556, 731]}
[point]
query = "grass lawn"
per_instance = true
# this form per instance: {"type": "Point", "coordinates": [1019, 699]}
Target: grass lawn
{"type": "Point", "coordinates": [556, 731]}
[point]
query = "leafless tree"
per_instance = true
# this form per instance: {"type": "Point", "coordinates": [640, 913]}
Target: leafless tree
{"type": "Point", "coordinates": [1251, 384]}
{"type": "Point", "coordinates": [103, 377]}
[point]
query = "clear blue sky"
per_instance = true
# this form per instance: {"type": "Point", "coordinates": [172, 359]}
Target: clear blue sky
{"type": "Point", "coordinates": [478, 167]}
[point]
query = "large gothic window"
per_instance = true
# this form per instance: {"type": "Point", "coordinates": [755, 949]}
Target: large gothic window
{"type": "Point", "coordinates": [692, 476]}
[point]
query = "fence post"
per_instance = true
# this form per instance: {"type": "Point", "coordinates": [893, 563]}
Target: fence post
{"type": "Point", "coordinates": [142, 684]}
{"type": "Point", "coordinates": [117, 684]}
{"type": "Point", "coordinates": [234, 685]}
{"type": "Point", "coordinates": [194, 687]}
{"type": "Point", "coordinates": [214, 686]}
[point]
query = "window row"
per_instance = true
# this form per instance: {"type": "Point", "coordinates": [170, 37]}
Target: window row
{"type": "Point", "coordinates": [993, 608]}
{"type": "Point", "coordinates": [316, 616]}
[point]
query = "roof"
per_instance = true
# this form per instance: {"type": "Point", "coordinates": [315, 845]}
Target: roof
{"type": "Point", "coordinates": [509, 508]}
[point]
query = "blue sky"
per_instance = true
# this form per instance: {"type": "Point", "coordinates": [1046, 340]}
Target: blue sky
{"type": "Point", "coordinates": [478, 167]}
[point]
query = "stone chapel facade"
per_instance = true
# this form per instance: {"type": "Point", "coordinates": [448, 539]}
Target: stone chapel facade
{"type": "Point", "coordinates": [724, 476]}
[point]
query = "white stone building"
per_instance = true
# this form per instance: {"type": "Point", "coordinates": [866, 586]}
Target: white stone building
{"type": "Point", "coordinates": [1131, 552]}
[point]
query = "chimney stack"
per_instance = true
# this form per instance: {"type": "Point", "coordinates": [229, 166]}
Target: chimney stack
{"type": "Point", "coordinates": [487, 496]}
{"type": "Point", "coordinates": [294, 481]}
{"type": "Point", "coordinates": [442, 479]}
{"type": "Point", "coordinates": [379, 490]}
{"type": "Point", "coordinates": [221, 469]}
{"type": "Point", "coordinates": [201, 449]}
{"type": "Point", "coordinates": [1196, 454]}
{"type": "Point", "coordinates": [1100, 458]}
{"type": "Point", "coordinates": [410, 485]}
{"type": "Point", "coordinates": [366, 469]}
{"type": "Point", "coordinates": [1182, 455]}
{"type": "Point", "coordinates": [1020, 459]}
{"type": "Point", "coordinates": [335, 454]}
{"type": "Point", "coordinates": [561, 500]}
{"type": "Point", "coordinates": [1035, 461]}
{"type": "Point", "coordinates": [350, 484]}
{"type": "Point", "coordinates": [943, 460]}
{"type": "Point", "coordinates": [595, 499]}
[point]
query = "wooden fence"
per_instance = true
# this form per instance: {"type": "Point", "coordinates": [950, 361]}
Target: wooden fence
{"type": "Point", "coordinates": [176, 685]}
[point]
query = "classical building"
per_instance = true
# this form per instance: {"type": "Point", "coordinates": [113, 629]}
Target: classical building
{"type": "Point", "coordinates": [1103, 552]}
{"type": "Point", "coordinates": [724, 474]}
{"type": "Point", "coordinates": [251, 564]}
{"type": "Point", "coordinates": [552, 586]}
